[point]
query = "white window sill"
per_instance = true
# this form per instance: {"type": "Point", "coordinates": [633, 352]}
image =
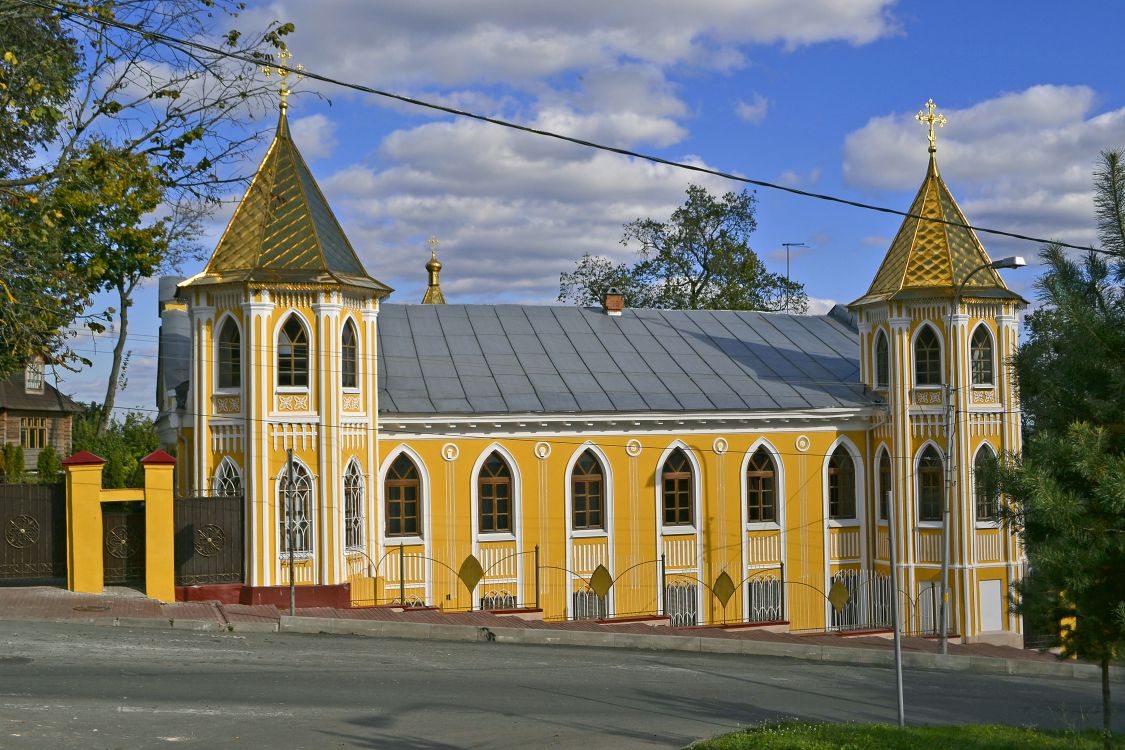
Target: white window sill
{"type": "Point", "coordinates": [297, 556]}
{"type": "Point", "coordinates": [588, 533]}
{"type": "Point", "coordinates": [762, 526]}
{"type": "Point", "coordinates": [292, 389]}
{"type": "Point", "coordinates": [677, 530]}
{"type": "Point", "coordinates": [843, 523]}
{"type": "Point", "coordinates": [351, 391]}
{"type": "Point", "coordinates": [928, 525]}
{"type": "Point", "coordinates": [988, 524]}
{"type": "Point", "coordinates": [405, 541]}
{"type": "Point", "coordinates": [228, 391]}
{"type": "Point", "coordinates": [496, 536]}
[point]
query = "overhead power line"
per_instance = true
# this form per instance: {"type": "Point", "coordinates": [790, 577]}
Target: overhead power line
{"type": "Point", "coordinates": [180, 42]}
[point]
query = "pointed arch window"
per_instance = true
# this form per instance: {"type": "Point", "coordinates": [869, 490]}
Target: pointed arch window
{"type": "Point", "coordinates": [494, 490]}
{"type": "Point", "coordinates": [228, 480]}
{"type": "Point", "coordinates": [353, 507]}
{"type": "Point", "coordinates": [403, 491]}
{"type": "Point", "coordinates": [677, 483]}
{"type": "Point", "coordinates": [841, 485]}
{"type": "Point", "coordinates": [587, 493]}
{"type": "Point", "coordinates": [987, 500]}
{"type": "Point", "coordinates": [882, 361]}
{"type": "Point", "coordinates": [761, 488]}
{"type": "Point", "coordinates": [349, 351]}
{"type": "Point", "coordinates": [293, 355]}
{"type": "Point", "coordinates": [927, 358]}
{"type": "Point", "coordinates": [299, 502]}
{"type": "Point", "coordinates": [884, 485]}
{"type": "Point", "coordinates": [980, 353]}
{"type": "Point", "coordinates": [230, 355]}
{"type": "Point", "coordinates": [931, 480]}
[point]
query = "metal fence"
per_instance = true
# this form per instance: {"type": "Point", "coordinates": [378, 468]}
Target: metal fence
{"type": "Point", "coordinates": [209, 539]}
{"type": "Point", "coordinates": [33, 520]}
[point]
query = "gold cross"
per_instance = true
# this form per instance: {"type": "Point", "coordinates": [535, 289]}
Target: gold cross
{"type": "Point", "coordinates": [433, 243]}
{"type": "Point", "coordinates": [927, 117]}
{"type": "Point", "coordinates": [282, 70]}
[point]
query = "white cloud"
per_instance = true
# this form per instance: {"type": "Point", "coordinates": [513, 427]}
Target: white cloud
{"type": "Point", "coordinates": [1021, 161]}
{"type": "Point", "coordinates": [316, 136]}
{"type": "Point", "coordinates": [753, 111]}
{"type": "Point", "coordinates": [821, 305]}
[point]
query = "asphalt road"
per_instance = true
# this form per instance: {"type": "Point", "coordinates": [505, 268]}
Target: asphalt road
{"type": "Point", "coordinates": [71, 686]}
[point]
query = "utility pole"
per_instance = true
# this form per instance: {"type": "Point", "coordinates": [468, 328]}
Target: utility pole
{"type": "Point", "coordinates": [787, 246]}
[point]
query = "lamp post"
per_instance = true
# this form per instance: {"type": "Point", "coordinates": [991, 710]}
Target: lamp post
{"type": "Point", "coordinates": [1013, 261]}
{"type": "Point", "coordinates": [788, 245]}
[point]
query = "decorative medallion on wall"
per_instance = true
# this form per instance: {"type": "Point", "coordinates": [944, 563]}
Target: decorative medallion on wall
{"type": "Point", "coordinates": [209, 540]}
{"type": "Point", "coordinates": [228, 404]}
{"type": "Point", "coordinates": [984, 396]}
{"type": "Point", "coordinates": [803, 443]}
{"type": "Point", "coordinates": [449, 452]}
{"type": "Point", "coordinates": [293, 402]}
{"type": "Point", "coordinates": [542, 450]}
{"type": "Point", "coordinates": [117, 543]}
{"type": "Point", "coordinates": [633, 448]}
{"type": "Point", "coordinates": [352, 402]}
{"type": "Point", "coordinates": [720, 446]}
{"type": "Point", "coordinates": [927, 397]}
{"type": "Point", "coordinates": [21, 532]}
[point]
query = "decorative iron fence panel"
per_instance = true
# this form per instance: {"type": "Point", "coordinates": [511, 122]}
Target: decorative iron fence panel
{"type": "Point", "coordinates": [123, 533]}
{"type": "Point", "coordinates": [681, 603]}
{"type": "Point", "coordinates": [33, 522]}
{"type": "Point", "coordinates": [869, 601]}
{"type": "Point", "coordinates": [766, 599]}
{"type": "Point", "coordinates": [209, 538]}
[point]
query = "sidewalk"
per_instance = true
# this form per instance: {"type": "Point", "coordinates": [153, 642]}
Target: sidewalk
{"type": "Point", "coordinates": [127, 608]}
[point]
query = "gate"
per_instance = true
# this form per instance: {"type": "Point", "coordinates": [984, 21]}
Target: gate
{"type": "Point", "coordinates": [123, 552]}
{"type": "Point", "coordinates": [33, 522]}
{"type": "Point", "coordinates": [209, 539]}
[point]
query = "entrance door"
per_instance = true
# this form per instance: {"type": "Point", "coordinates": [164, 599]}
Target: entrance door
{"type": "Point", "coordinates": [123, 534]}
{"type": "Point", "coordinates": [991, 606]}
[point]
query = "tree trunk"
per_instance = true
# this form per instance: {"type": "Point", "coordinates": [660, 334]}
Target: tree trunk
{"type": "Point", "coordinates": [118, 355]}
{"type": "Point", "coordinates": [1107, 724]}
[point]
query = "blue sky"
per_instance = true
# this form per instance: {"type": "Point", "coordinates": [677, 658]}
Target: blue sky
{"type": "Point", "coordinates": [818, 94]}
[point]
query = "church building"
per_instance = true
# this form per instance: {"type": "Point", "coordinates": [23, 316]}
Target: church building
{"type": "Point", "coordinates": [707, 467]}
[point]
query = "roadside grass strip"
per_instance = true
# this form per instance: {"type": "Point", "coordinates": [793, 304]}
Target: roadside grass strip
{"type": "Point", "coordinates": [798, 735]}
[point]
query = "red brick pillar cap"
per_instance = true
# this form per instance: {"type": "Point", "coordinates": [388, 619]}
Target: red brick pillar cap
{"type": "Point", "coordinates": [158, 458]}
{"type": "Point", "coordinates": [83, 458]}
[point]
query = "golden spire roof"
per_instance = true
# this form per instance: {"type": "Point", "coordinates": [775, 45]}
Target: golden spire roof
{"type": "Point", "coordinates": [433, 294]}
{"type": "Point", "coordinates": [283, 230]}
{"type": "Point", "coordinates": [934, 254]}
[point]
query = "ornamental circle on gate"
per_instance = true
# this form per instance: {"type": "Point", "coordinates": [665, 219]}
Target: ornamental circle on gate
{"type": "Point", "coordinates": [117, 543]}
{"type": "Point", "coordinates": [21, 532]}
{"type": "Point", "coordinates": [209, 540]}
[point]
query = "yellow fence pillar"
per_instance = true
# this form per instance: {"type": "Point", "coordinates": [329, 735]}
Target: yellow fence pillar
{"type": "Point", "coordinates": [84, 522]}
{"type": "Point", "coordinates": [160, 528]}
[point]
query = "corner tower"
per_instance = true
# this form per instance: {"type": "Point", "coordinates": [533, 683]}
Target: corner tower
{"type": "Point", "coordinates": [937, 331]}
{"type": "Point", "coordinates": [283, 332]}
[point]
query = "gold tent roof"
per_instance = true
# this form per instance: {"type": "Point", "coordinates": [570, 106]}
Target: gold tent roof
{"type": "Point", "coordinates": [931, 258]}
{"type": "Point", "coordinates": [433, 295]}
{"type": "Point", "coordinates": [283, 230]}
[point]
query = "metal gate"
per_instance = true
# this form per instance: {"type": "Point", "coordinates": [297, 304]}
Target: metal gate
{"type": "Point", "coordinates": [209, 539]}
{"type": "Point", "coordinates": [123, 532]}
{"type": "Point", "coordinates": [33, 522]}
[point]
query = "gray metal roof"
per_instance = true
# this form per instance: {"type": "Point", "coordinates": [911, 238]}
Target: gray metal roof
{"type": "Point", "coordinates": [498, 359]}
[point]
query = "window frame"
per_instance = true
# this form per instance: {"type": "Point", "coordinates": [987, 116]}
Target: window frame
{"type": "Point", "coordinates": [833, 483]}
{"type": "Point", "coordinates": [930, 473]}
{"type": "Point", "coordinates": [933, 365]}
{"type": "Point", "coordinates": [588, 529]}
{"type": "Point", "coordinates": [395, 479]}
{"type": "Point", "coordinates": [40, 427]}
{"type": "Point", "coordinates": [306, 489]}
{"type": "Point", "coordinates": [751, 473]}
{"type": "Point", "coordinates": [34, 377]}
{"type": "Point", "coordinates": [882, 351]}
{"type": "Point", "coordinates": [349, 357]}
{"type": "Point", "coordinates": [228, 354]}
{"type": "Point", "coordinates": [495, 480]}
{"type": "Point", "coordinates": [687, 474]}
{"type": "Point", "coordinates": [883, 484]}
{"type": "Point", "coordinates": [992, 521]}
{"type": "Point", "coordinates": [227, 475]}
{"type": "Point", "coordinates": [292, 359]}
{"type": "Point", "coordinates": [355, 520]}
{"type": "Point", "coordinates": [989, 360]}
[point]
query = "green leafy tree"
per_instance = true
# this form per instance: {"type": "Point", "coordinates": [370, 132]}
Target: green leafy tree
{"type": "Point", "coordinates": [123, 444]}
{"type": "Point", "coordinates": [79, 94]}
{"type": "Point", "coordinates": [13, 463]}
{"type": "Point", "coordinates": [700, 259]}
{"type": "Point", "coordinates": [49, 465]}
{"type": "Point", "coordinates": [1068, 488]}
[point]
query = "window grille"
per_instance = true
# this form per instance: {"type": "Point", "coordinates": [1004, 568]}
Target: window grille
{"type": "Point", "coordinates": [301, 500]}
{"type": "Point", "coordinates": [228, 480]}
{"type": "Point", "coordinates": [353, 507]}
{"type": "Point", "coordinates": [589, 606]}
{"type": "Point", "coordinates": [681, 603]}
{"type": "Point", "coordinates": [765, 599]}
{"type": "Point", "coordinates": [498, 600]}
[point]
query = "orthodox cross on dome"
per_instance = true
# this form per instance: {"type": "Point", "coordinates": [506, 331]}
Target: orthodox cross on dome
{"type": "Point", "coordinates": [433, 243]}
{"type": "Point", "coordinates": [282, 70]}
{"type": "Point", "coordinates": [927, 117]}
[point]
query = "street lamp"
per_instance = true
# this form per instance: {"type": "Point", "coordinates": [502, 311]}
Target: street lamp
{"type": "Point", "coordinates": [1012, 261]}
{"type": "Point", "coordinates": [788, 245]}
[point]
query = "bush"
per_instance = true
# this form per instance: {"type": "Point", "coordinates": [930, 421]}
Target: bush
{"type": "Point", "coordinates": [49, 465]}
{"type": "Point", "coordinates": [13, 463]}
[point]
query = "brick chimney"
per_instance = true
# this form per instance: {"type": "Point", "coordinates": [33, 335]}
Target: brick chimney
{"type": "Point", "coordinates": [613, 301]}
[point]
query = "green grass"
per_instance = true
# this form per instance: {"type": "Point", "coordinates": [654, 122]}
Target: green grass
{"type": "Point", "coordinates": [810, 736]}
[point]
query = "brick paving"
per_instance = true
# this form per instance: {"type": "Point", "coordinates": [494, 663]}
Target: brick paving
{"type": "Point", "coordinates": [51, 603]}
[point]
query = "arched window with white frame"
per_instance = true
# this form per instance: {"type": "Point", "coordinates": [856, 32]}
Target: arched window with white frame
{"type": "Point", "coordinates": [587, 493]}
{"type": "Point", "coordinates": [228, 479]}
{"type": "Point", "coordinates": [353, 506]}
{"type": "Point", "coordinates": [297, 498]}
{"type": "Point", "coordinates": [882, 361]}
{"type": "Point", "coordinates": [349, 356]}
{"type": "Point", "coordinates": [841, 485]}
{"type": "Point", "coordinates": [980, 357]}
{"type": "Point", "coordinates": [230, 355]}
{"type": "Point", "coordinates": [987, 499]}
{"type": "Point", "coordinates": [931, 484]}
{"type": "Point", "coordinates": [402, 490]}
{"type": "Point", "coordinates": [494, 492]}
{"type": "Point", "coordinates": [927, 357]}
{"type": "Point", "coordinates": [677, 481]}
{"type": "Point", "coordinates": [761, 488]}
{"type": "Point", "coordinates": [293, 354]}
{"type": "Point", "coordinates": [885, 484]}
